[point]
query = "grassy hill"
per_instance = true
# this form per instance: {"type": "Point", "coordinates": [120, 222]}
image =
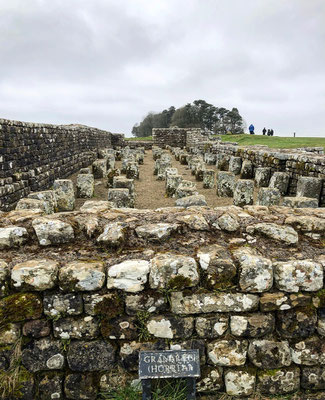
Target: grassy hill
{"type": "Point", "coordinates": [275, 141]}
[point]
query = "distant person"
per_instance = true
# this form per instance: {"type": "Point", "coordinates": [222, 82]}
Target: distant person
{"type": "Point", "coordinates": [251, 129]}
{"type": "Point", "coordinates": [264, 131]}
{"type": "Point", "coordinates": [269, 132]}
{"type": "Point", "coordinates": [272, 132]}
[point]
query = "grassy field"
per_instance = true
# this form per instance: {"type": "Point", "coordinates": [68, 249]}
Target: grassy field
{"type": "Point", "coordinates": [275, 141]}
{"type": "Point", "coordinates": [270, 141]}
{"type": "Point", "coordinates": [139, 138]}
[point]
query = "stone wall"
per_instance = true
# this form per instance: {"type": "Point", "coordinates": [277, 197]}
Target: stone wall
{"type": "Point", "coordinates": [32, 155]}
{"type": "Point", "coordinates": [83, 292]}
{"type": "Point", "coordinates": [296, 162]}
{"type": "Point", "coordinates": [177, 137]}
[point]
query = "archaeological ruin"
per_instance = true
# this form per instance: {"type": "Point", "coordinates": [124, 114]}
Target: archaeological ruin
{"type": "Point", "coordinates": [110, 247]}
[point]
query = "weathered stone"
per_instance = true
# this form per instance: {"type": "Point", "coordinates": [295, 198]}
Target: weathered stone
{"type": "Point", "coordinates": [227, 353]}
{"type": "Point", "coordinates": [47, 197]}
{"type": "Point", "coordinates": [225, 184]}
{"type": "Point", "coordinates": [268, 196]}
{"type": "Point", "coordinates": [132, 170]}
{"type": "Point", "coordinates": [282, 233]}
{"type": "Point", "coordinates": [156, 232]}
{"type": "Point", "coordinates": [9, 334]}
{"type": "Point", "coordinates": [243, 192]}
{"type": "Point", "coordinates": [43, 354]}
{"type": "Point", "coordinates": [64, 194]}
{"type": "Point", "coordinates": [209, 176]}
{"type": "Point", "coordinates": [172, 270]}
{"type": "Point", "coordinates": [256, 272]}
{"type": "Point", "coordinates": [194, 221]}
{"type": "Point", "coordinates": [145, 302]}
{"type": "Point", "coordinates": [120, 182]}
{"type": "Point", "coordinates": [120, 197]}
{"type": "Point", "coordinates": [278, 381]}
{"type": "Point", "coordinates": [253, 325]}
{"type": "Point", "coordinates": [211, 380]}
{"type": "Point", "coordinates": [96, 355]}
{"type": "Point", "coordinates": [246, 171]}
{"type": "Point", "coordinates": [35, 275]}
{"type": "Point", "coordinates": [99, 168]}
{"type": "Point", "coordinates": [300, 202]}
{"type": "Point", "coordinates": [85, 171]}
{"type": "Point", "coordinates": [293, 276]}
{"type": "Point", "coordinates": [219, 267]}
{"type": "Point", "coordinates": [81, 328]}
{"type": "Point", "coordinates": [170, 327]}
{"type": "Point", "coordinates": [50, 387]}
{"type": "Point", "coordinates": [212, 302]}
{"type": "Point", "coordinates": [313, 378]}
{"type": "Point", "coordinates": [30, 204]}
{"type": "Point", "coordinates": [52, 231]}
{"type": "Point", "coordinates": [123, 328]}
{"type": "Point", "coordinates": [240, 382]}
{"type": "Point", "coordinates": [262, 176]}
{"type": "Point", "coordinates": [282, 301]}
{"type": "Point", "coordinates": [85, 185]}
{"type": "Point", "coordinates": [20, 307]}
{"type": "Point", "coordinates": [228, 222]}
{"type": "Point", "coordinates": [13, 236]}
{"type": "Point", "coordinates": [83, 276]}
{"type": "Point", "coordinates": [129, 275]}
{"type": "Point", "coordinates": [37, 328]}
{"type": "Point", "coordinates": [211, 326]}
{"type": "Point", "coordinates": [309, 187]}
{"type": "Point", "coordinates": [60, 305]}
{"type": "Point", "coordinates": [308, 352]}
{"type": "Point", "coordinates": [80, 386]}
{"type": "Point", "coordinates": [129, 352]}
{"type": "Point", "coordinates": [297, 323]}
{"type": "Point", "coordinates": [307, 223]}
{"type": "Point", "coordinates": [235, 164]}
{"type": "Point", "coordinates": [172, 183]}
{"type": "Point", "coordinates": [268, 354]}
{"type": "Point", "coordinates": [113, 234]}
{"type": "Point", "coordinates": [280, 180]}
{"type": "Point", "coordinates": [108, 305]}
{"type": "Point", "coordinates": [191, 344]}
{"type": "Point", "coordinates": [189, 201]}
{"type": "Point", "coordinates": [96, 206]}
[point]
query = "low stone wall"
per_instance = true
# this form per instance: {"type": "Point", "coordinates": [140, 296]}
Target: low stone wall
{"type": "Point", "coordinates": [296, 162]}
{"type": "Point", "coordinates": [32, 155]}
{"type": "Point", "coordinates": [177, 137]}
{"type": "Point", "coordinates": [83, 292]}
{"type": "Point", "coordinates": [134, 144]}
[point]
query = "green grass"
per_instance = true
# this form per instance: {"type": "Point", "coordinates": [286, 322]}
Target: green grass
{"type": "Point", "coordinates": [139, 138]}
{"type": "Point", "coordinates": [275, 141]}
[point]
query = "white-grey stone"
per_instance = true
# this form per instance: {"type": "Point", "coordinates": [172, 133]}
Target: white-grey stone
{"type": "Point", "coordinates": [113, 234]}
{"type": "Point", "coordinates": [225, 184]}
{"type": "Point", "coordinates": [262, 176]}
{"type": "Point", "coordinates": [48, 198]}
{"type": "Point", "coordinates": [277, 232]}
{"type": "Point", "coordinates": [228, 353]}
{"type": "Point", "coordinates": [12, 236]}
{"type": "Point", "coordinates": [82, 276]}
{"type": "Point", "coordinates": [239, 383]}
{"type": "Point", "coordinates": [64, 194]}
{"type": "Point", "coordinates": [156, 232]}
{"type": "Point", "coordinates": [243, 192]}
{"type": "Point", "coordinates": [52, 231]}
{"type": "Point", "coordinates": [85, 185]}
{"type": "Point", "coordinates": [280, 180]}
{"type": "Point", "coordinates": [35, 274]}
{"type": "Point", "coordinates": [228, 222]}
{"type": "Point", "coordinates": [268, 196]}
{"type": "Point", "coordinates": [129, 275]}
{"type": "Point", "coordinates": [189, 201]}
{"type": "Point", "coordinates": [308, 186]}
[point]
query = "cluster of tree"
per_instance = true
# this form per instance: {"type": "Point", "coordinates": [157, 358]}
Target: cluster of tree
{"type": "Point", "coordinates": [198, 114]}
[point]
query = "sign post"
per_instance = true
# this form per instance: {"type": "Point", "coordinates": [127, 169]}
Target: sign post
{"type": "Point", "coordinates": [169, 364]}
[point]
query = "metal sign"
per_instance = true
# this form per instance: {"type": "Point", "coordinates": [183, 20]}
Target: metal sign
{"type": "Point", "coordinates": [169, 364]}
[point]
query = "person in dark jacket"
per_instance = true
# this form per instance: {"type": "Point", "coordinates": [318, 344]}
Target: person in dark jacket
{"type": "Point", "coordinates": [269, 132]}
{"type": "Point", "coordinates": [251, 129]}
{"type": "Point", "coordinates": [264, 131]}
{"type": "Point", "coordinates": [272, 132]}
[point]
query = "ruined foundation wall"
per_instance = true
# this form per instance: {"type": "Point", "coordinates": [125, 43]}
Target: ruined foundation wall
{"type": "Point", "coordinates": [295, 162]}
{"type": "Point", "coordinates": [83, 292]}
{"type": "Point", "coordinates": [32, 155]}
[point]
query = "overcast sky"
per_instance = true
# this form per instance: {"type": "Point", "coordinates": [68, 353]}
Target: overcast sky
{"type": "Point", "coordinates": [107, 63]}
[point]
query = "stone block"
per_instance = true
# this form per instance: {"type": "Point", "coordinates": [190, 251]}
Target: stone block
{"type": "Point", "coordinates": [173, 271]}
{"type": "Point", "coordinates": [310, 351]}
{"type": "Point", "coordinates": [243, 192]}
{"type": "Point", "coordinates": [240, 382]}
{"type": "Point", "coordinates": [235, 165]}
{"type": "Point", "coordinates": [313, 378]}
{"type": "Point", "coordinates": [170, 327]}
{"type": "Point", "coordinates": [252, 326]}
{"type": "Point", "coordinates": [189, 201]}
{"type": "Point", "coordinates": [228, 222]}
{"type": "Point", "coordinates": [280, 180]}
{"type": "Point", "coordinates": [50, 387]}
{"type": "Point", "coordinates": [130, 275]}
{"type": "Point", "coordinates": [281, 301]}
{"type": "Point", "coordinates": [276, 232]}
{"type": "Point", "coordinates": [60, 305]}
{"type": "Point", "coordinates": [124, 328]}
{"type": "Point", "coordinates": [278, 381]}
{"type": "Point", "coordinates": [120, 197]}
{"type": "Point", "coordinates": [309, 187]}
{"type": "Point", "coordinates": [120, 182]}
{"type": "Point", "coordinates": [268, 354]}
{"type": "Point", "coordinates": [246, 171]}
{"type": "Point", "coordinates": [43, 354]}
{"type": "Point", "coordinates": [52, 231]}
{"type": "Point", "coordinates": [301, 275]}
{"type": "Point", "coordinates": [172, 183]}
{"type": "Point", "coordinates": [209, 176]}
{"type": "Point", "coordinates": [76, 328]}
{"type": "Point", "coordinates": [9, 334]}
{"type": "Point", "coordinates": [185, 189]}
{"type": "Point", "coordinates": [85, 186]}
{"type": "Point", "coordinates": [225, 184]}
{"type": "Point", "coordinates": [262, 176]}
{"type": "Point", "coordinates": [37, 329]}
{"type": "Point", "coordinates": [268, 196]}
{"type": "Point", "coordinates": [132, 170]}
{"type": "Point", "coordinates": [82, 276]}
{"type": "Point", "coordinates": [211, 380]}
{"type": "Point", "coordinates": [113, 234]}
{"type": "Point", "coordinates": [212, 326]}
{"type": "Point", "coordinates": [297, 323]}
{"type": "Point", "coordinates": [30, 204]}
{"type": "Point", "coordinates": [145, 302]}
{"type": "Point", "coordinates": [64, 194]}
{"type": "Point", "coordinates": [227, 353]}
{"type": "Point", "coordinates": [13, 236]}
{"type": "Point", "coordinates": [300, 202]}
{"type": "Point", "coordinates": [36, 275]}
{"type": "Point", "coordinates": [156, 232]}
{"type": "Point", "coordinates": [48, 198]}
{"type": "Point", "coordinates": [99, 168]}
